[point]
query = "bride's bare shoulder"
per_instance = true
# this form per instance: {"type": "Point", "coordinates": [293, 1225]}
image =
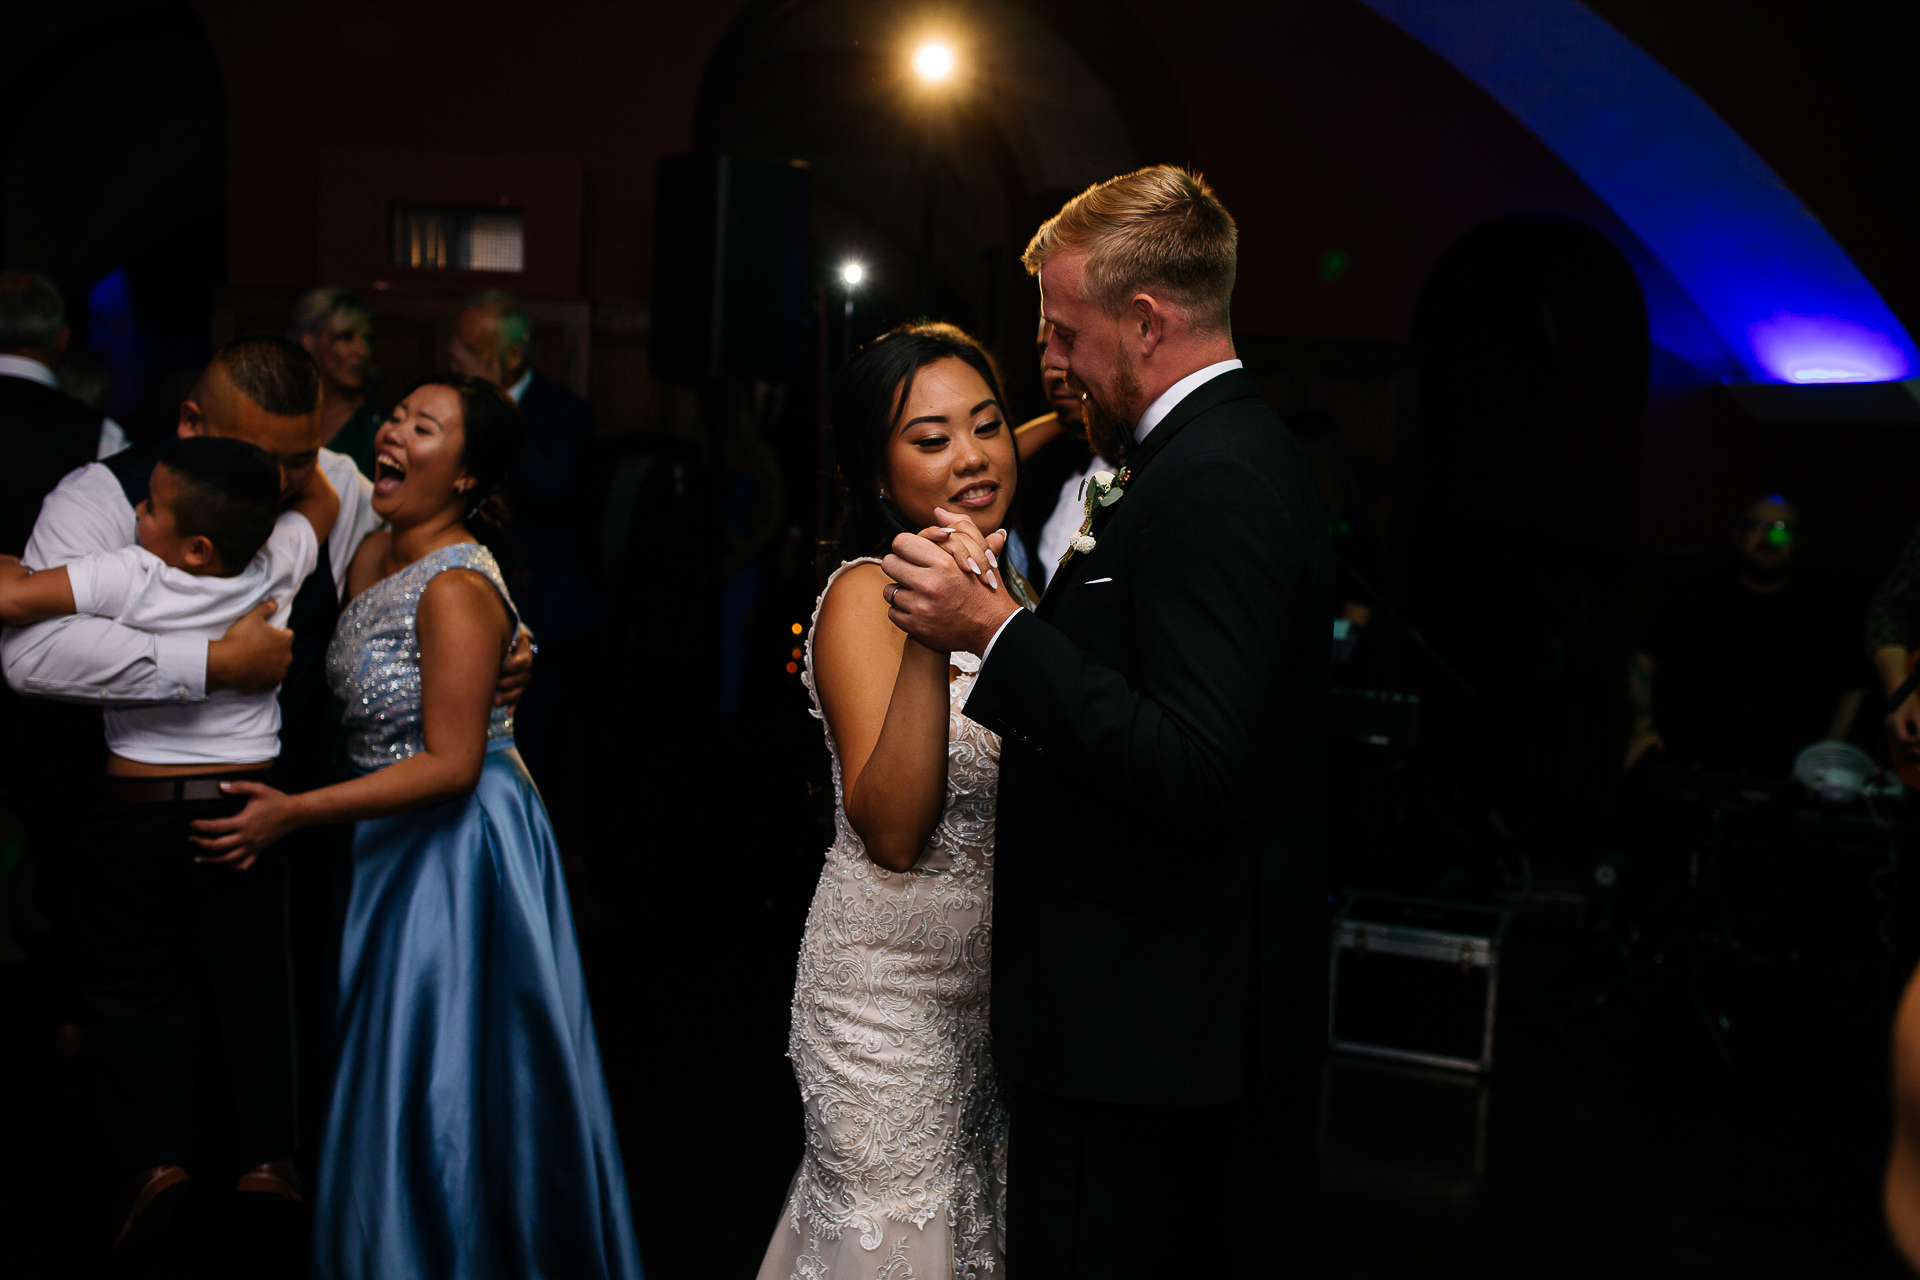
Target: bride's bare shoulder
{"type": "Point", "coordinates": [853, 615]}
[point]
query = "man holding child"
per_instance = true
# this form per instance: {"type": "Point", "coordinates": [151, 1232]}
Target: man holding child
{"type": "Point", "coordinates": [187, 650]}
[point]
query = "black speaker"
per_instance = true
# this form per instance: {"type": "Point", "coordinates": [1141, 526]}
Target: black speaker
{"type": "Point", "coordinates": [729, 267]}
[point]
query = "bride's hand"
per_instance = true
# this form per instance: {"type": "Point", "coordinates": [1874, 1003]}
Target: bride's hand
{"type": "Point", "coordinates": [973, 551]}
{"type": "Point", "coordinates": [235, 842]}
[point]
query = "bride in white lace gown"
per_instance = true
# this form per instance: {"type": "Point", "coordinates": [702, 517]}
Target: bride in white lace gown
{"type": "Point", "coordinates": [904, 1173]}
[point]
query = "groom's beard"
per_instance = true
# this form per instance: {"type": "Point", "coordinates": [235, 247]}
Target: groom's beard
{"type": "Point", "coordinates": [1109, 435]}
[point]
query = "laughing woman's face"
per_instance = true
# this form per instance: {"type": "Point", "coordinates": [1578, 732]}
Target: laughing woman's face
{"type": "Point", "coordinates": [417, 469]}
{"type": "Point", "coordinates": [951, 448]}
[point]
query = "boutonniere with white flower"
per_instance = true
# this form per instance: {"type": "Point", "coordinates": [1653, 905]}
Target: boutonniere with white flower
{"type": "Point", "coordinates": [1101, 489]}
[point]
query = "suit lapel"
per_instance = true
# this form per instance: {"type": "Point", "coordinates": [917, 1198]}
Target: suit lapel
{"type": "Point", "coordinates": [1234, 384]}
{"type": "Point", "coordinates": [1075, 569]}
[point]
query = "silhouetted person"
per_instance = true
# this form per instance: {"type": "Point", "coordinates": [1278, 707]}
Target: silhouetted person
{"type": "Point", "coordinates": [334, 326]}
{"type": "Point", "coordinates": [84, 376]}
{"type": "Point", "coordinates": [493, 339]}
{"type": "Point", "coordinates": [44, 434]}
{"type": "Point", "coordinates": [1751, 662]}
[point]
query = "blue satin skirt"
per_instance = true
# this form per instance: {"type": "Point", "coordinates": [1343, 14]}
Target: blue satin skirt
{"type": "Point", "coordinates": [469, 1133]}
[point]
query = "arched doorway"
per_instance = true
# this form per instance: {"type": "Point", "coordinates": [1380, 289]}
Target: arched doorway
{"type": "Point", "coordinates": [963, 172]}
{"type": "Point", "coordinates": [1531, 352]}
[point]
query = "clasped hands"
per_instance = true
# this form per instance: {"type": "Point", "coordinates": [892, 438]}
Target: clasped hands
{"type": "Point", "coordinates": [947, 591]}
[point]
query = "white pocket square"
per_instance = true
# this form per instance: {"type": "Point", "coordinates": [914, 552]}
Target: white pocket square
{"type": "Point", "coordinates": [1094, 582]}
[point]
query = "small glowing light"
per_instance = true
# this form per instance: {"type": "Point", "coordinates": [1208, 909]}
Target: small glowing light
{"type": "Point", "coordinates": [852, 273]}
{"type": "Point", "coordinates": [796, 653]}
{"type": "Point", "coordinates": [933, 61]}
{"type": "Point", "coordinates": [797, 628]}
{"type": "Point", "coordinates": [792, 667]}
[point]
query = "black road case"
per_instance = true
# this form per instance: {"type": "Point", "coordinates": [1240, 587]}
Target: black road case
{"type": "Point", "coordinates": [1416, 981]}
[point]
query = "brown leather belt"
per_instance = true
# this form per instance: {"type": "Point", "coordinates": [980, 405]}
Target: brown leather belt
{"type": "Point", "coordinates": [162, 790]}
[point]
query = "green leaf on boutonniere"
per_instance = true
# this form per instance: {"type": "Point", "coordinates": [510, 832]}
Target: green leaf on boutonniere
{"type": "Point", "coordinates": [1112, 496]}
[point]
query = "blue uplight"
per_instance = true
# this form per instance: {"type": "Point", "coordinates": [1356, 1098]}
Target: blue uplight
{"type": "Point", "coordinates": [1783, 300]}
{"type": "Point", "coordinates": [113, 335]}
{"type": "Point", "coordinates": [1824, 349]}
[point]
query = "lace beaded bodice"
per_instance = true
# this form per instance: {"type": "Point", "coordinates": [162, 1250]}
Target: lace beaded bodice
{"type": "Point", "coordinates": [889, 1037]}
{"type": "Point", "coordinates": [962, 844]}
{"type": "Point", "coordinates": [373, 663]}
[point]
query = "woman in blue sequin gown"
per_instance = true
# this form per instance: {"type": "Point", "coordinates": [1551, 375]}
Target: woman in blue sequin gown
{"type": "Point", "coordinates": [469, 1133]}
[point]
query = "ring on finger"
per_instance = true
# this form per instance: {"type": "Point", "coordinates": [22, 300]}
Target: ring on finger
{"type": "Point", "coordinates": [893, 589]}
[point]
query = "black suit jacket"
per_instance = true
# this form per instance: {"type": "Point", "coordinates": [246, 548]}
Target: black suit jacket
{"type": "Point", "coordinates": [559, 603]}
{"type": "Point", "coordinates": [45, 434]}
{"type": "Point", "coordinates": [1159, 895]}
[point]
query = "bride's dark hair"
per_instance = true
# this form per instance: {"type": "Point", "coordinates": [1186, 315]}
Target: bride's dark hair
{"type": "Point", "coordinates": [493, 434]}
{"type": "Point", "coordinates": [867, 399]}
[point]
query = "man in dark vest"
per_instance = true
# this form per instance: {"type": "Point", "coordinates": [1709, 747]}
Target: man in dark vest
{"type": "Point", "coordinates": [1158, 962]}
{"type": "Point", "coordinates": [45, 432]}
{"type": "Point", "coordinates": [266, 391]}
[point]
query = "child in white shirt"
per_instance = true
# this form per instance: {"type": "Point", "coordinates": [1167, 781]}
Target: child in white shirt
{"type": "Point", "coordinates": [213, 545]}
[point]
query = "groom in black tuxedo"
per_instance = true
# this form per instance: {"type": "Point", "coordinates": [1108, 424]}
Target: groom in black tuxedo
{"type": "Point", "coordinates": [1159, 954]}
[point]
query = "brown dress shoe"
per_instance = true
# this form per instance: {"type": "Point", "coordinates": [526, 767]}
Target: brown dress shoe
{"type": "Point", "coordinates": [274, 1178]}
{"type": "Point", "coordinates": [148, 1202]}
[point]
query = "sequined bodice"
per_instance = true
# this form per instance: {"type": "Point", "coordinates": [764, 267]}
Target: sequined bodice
{"type": "Point", "coordinates": [373, 664]}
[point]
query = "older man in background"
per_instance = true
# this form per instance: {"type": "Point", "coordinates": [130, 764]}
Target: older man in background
{"type": "Point", "coordinates": [493, 339]}
{"type": "Point", "coordinates": [333, 326]}
{"type": "Point", "coordinates": [46, 431]}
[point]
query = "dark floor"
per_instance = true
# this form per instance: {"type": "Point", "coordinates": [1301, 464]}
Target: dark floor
{"type": "Point", "coordinates": [1672, 1095]}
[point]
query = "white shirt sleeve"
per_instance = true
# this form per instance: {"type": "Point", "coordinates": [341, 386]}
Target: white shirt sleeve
{"type": "Point", "coordinates": [292, 553]}
{"type": "Point", "coordinates": [113, 438]}
{"type": "Point", "coordinates": [107, 583]}
{"type": "Point", "coordinates": [135, 588]}
{"type": "Point", "coordinates": [356, 519]}
{"type": "Point", "coordinates": [88, 659]}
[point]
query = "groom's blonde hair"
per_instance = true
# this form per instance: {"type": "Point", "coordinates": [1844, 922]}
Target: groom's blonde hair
{"type": "Point", "coordinates": [1158, 230]}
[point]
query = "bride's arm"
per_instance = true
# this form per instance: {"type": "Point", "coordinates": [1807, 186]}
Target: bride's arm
{"type": "Point", "coordinates": [885, 698]}
{"type": "Point", "coordinates": [463, 634]}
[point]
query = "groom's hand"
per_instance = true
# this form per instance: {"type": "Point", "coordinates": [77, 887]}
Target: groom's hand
{"type": "Point", "coordinates": [939, 603]}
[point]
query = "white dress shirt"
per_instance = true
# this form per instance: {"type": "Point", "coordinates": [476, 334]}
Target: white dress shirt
{"type": "Point", "coordinates": [1156, 413]}
{"type": "Point", "coordinates": [113, 437]}
{"type": "Point", "coordinates": [1170, 399]}
{"type": "Point", "coordinates": [519, 388]}
{"type": "Point", "coordinates": [87, 659]}
{"type": "Point", "coordinates": [135, 588]}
